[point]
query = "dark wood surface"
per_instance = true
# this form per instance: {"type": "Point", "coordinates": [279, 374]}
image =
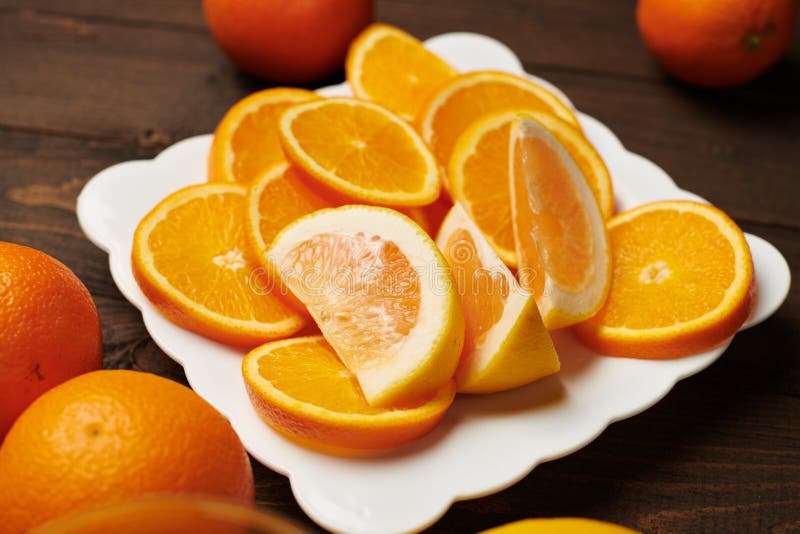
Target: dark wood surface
{"type": "Point", "coordinates": [85, 84]}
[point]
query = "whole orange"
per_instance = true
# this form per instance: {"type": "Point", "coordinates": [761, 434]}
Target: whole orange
{"type": "Point", "coordinates": [111, 435]}
{"type": "Point", "coordinates": [290, 41]}
{"type": "Point", "coordinates": [49, 328]}
{"type": "Point", "coordinates": [717, 43]}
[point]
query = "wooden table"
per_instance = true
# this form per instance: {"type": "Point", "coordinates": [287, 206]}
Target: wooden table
{"type": "Point", "coordinates": [88, 83]}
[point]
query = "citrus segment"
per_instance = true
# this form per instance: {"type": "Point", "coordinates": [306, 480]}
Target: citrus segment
{"type": "Point", "coordinates": [390, 67]}
{"type": "Point", "coordinates": [381, 294]}
{"type": "Point", "coordinates": [301, 389]}
{"type": "Point", "coordinates": [246, 140]}
{"type": "Point", "coordinates": [276, 198]}
{"type": "Point", "coordinates": [467, 97]}
{"type": "Point", "coordinates": [558, 230]}
{"type": "Point", "coordinates": [480, 162]}
{"type": "Point", "coordinates": [360, 150]}
{"type": "Point", "coordinates": [191, 259]}
{"type": "Point", "coordinates": [682, 282]}
{"type": "Point", "coordinates": [505, 343]}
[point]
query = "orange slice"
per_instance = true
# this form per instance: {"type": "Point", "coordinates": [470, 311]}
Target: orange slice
{"type": "Point", "coordinates": [468, 97]}
{"type": "Point", "coordinates": [390, 67]}
{"type": "Point", "coordinates": [246, 140]}
{"type": "Point", "coordinates": [275, 199]}
{"type": "Point", "coordinates": [682, 283]}
{"type": "Point", "coordinates": [301, 389]}
{"type": "Point", "coordinates": [559, 232]}
{"type": "Point", "coordinates": [505, 342]}
{"type": "Point", "coordinates": [381, 294]}
{"type": "Point", "coordinates": [190, 258]}
{"type": "Point", "coordinates": [360, 150]}
{"type": "Point", "coordinates": [480, 162]}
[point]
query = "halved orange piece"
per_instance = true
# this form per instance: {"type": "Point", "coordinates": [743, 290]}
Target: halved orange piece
{"type": "Point", "coordinates": [682, 283]}
{"type": "Point", "coordinates": [190, 258]}
{"type": "Point", "coordinates": [480, 162]}
{"type": "Point", "coordinates": [391, 67]}
{"type": "Point", "coordinates": [467, 97]}
{"type": "Point", "coordinates": [276, 198]}
{"type": "Point", "coordinates": [246, 139]}
{"type": "Point", "coordinates": [301, 389]}
{"type": "Point", "coordinates": [559, 231]}
{"type": "Point", "coordinates": [360, 150]}
{"type": "Point", "coordinates": [382, 295]}
{"type": "Point", "coordinates": [505, 342]}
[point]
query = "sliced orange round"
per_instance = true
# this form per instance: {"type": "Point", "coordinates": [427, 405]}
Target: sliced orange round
{"type": "Point", "coordinates": [190, 258]}
{"type": "Point", "coordinates": [278, 197]}
{"type": "Point", "coordinates": [301, 389]}
{"type": "Point", "coordinates": [462, 100]}
{"type": "Point", "coordinates": [360, 150]}
{"type": "Point", "coordinates": [505, 342]}
{"type": "Point", "coordinates": [682, 283]}
{"type": "Point", "coordinates": [380, 292]}
{"type": "Point", "coordinates": [480, 162]}
{"type": "Point", "coordinates": [388, 66]}
{"type": "Point", "coordinates": [246, 140]}
{"type": "Point", "coordinates": [559, 232]}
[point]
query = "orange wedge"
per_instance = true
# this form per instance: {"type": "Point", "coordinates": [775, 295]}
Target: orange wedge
{"type": "Point", "coordinates": [467, 97]}
{"type": "Point", "coordinates": [390, 67]}
{"type": "Point", "coordinates": [559, 231]}
{"type": "Point", "coordinates": [480, 162]}
{"type": "Point", "coordinates": [505, 342]}
{"type": "Point", "coordinates": [246, 140]}
{"type": "Point", "coordinates": [360, 150]}
{"type": "Point", "coordinates": [301, 389]}
{"type": "Point", "coordinates": [190, 258]}
{"type": "Point", "coordinates": [682, 283]}
{"type": "Point", "coordinates": [380, 292]}
{"type": "Point", "coordinates": [278, 197]}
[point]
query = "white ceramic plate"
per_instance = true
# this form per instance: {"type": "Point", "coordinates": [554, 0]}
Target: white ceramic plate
{"type": "Point", "coordinates": [484, 444]}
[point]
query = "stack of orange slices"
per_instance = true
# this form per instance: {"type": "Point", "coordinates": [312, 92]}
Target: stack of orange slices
{"type": "Point", "coordinates": [324, 210]}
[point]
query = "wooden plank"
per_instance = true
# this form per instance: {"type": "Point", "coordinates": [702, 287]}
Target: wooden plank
{"type": "Point", "coordinates": [178, 14]}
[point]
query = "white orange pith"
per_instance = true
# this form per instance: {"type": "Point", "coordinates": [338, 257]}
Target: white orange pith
{"type": "Point", "coordinates": [506, 344]}
{"type": "Point", "coordinates": [246, 140]}
{"type": "Point", "coordinates": [190, 258]}
{"type": "Point", "coordinates": [480, 162]}
{"type": "Point", "coordinates": [559, 232]}
{"type": "Point", "coordinates": [381, 294]}
{"type": "Point", "coordinates": [682, 282]}
{"type": "Point", "coordinates": [301, 388]}
{"type": "Point", "coordinates": [361, 151]}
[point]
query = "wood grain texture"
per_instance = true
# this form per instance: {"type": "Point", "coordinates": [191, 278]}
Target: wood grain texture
{"type": "Point", "coordinates": [89, 83]}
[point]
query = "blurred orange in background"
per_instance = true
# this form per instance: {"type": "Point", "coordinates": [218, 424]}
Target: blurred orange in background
{"type": "Point", "coordinates": [717, 43]}
{"type": "Point", "coordinates": [287, 40]}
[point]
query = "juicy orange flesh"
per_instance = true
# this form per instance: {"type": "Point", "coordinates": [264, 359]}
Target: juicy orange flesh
{"type": "Point", "coordinates": [485, 186]}
{"type": "Point", "coordinates": [554, 230]}
{"type": "Point", "coordinates": [470, 103]}
{"type": "Point", "coordinates": [668, 269]}
{"type": "Point", "coordinates": [362, 146]}
{"type": "Point", "coordinates": [362, 291]}
{"type": "Point", "coordinates": [483, 292]}
{"type": "Point", "coordinates": [255, 143]}
{"type": "Point", "coordinates": [402, 90]}
{"type": "Point", "coordinates": [486, 170]}
{"type": "Point", "coordinates": [312, 373]}
{"type": "Point", "coordinates": [284, 200]}
{"type": "Point", "coordinates": [200, 248]}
